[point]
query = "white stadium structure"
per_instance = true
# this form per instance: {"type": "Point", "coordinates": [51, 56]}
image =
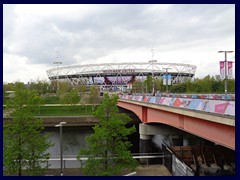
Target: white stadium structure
{"type": "Point", "coordinates": [121, 74]}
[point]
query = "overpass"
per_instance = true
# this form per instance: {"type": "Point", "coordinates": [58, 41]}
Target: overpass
{"type": "Point", "coordinates": [218, 126]}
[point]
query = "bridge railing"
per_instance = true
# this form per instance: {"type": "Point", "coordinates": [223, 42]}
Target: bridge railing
{"type": "Point", "coordinates": [228, 97]}
{"type": "Point", "coordinates": [225, 107]}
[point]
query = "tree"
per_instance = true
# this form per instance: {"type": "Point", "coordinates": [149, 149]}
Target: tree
{"type": "Point", "coordinates": [178, 88]}
{"type": "Point", "coordinates": [40, 86]}
{"type": "Point", "coordinates": [148, 83]}
{"type": "Point", "coordinates": [138, 87]}
{"type": "Point", "coordinates": [71, 97]}
{"type": "Point", "coordinates": [94, 94]}
{"type": "Point", "coordinates": [82, 89]}
{"type": "Point", "coordinates": [64, 87]}
{"type": "Point", "coordinates": [24, 144]}
{"type": "Point", "coordinates": [108, 147]}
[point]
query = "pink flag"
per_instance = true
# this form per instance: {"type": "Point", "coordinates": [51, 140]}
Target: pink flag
{"type": "Point", "coordinates": [230, 76]}
{"type": "Point", "coordinates": [222, 74]}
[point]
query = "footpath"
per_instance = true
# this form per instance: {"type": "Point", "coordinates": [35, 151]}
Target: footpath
{"type": "Point", "coordinates": [150, 170]}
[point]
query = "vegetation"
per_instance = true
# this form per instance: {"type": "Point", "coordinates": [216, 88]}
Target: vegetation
{"type": "Point", "coordinates": [50, 99]}
{"type": "Point", "coordinates": [24, 144]}
{"type": "Point", "coordinates": [205, 85]}
{"type": "Point", "coordinates": [108, 147]}
{"type": "Point", "coordinates": [94, 93]}
{"type": "Point", "coordinates": [68, 94]}
{"type": "Point", "coordinates": [66, 110]}
{"type": "Point", "coordinates": [71, 97]}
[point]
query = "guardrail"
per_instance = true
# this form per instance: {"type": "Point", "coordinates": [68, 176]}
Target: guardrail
{"type": "Point", "coordinates": [228, 97]}
{"type": "Point", "coordinates": [73, 162]}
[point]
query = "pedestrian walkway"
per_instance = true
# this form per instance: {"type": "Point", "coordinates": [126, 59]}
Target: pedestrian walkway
{"type": "Point", "coordinates": [148, 170]}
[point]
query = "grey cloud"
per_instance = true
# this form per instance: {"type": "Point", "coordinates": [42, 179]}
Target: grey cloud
{"type": "Point", "coordinates": [116, 27]}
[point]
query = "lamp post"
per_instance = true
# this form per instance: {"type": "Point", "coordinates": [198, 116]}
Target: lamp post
{"type": "Point", "coordinates": [225, 66]}
{"type": "Point", "coordinates": [61, 147]}
{"type": "Point", "coordinates": [166, 79]}
{"type": "Point", "coordinates": [57, 62]}
{"type": "Point", "coordinates": [152, 61]}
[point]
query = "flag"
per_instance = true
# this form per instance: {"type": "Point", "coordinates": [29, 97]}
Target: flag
{"type": "Point", "coordinates": [222, 74]}
{"type": "Point", "coordinates": [169, 79]}
{"type": "Point", "coordinates": [230, 75]}
{"type": "Point", "coordinates": [164, 79]}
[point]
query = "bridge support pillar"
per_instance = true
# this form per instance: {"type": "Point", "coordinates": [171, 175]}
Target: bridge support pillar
{"type": "Point", "coordinates": [144, 145]}
{"type": "Point", "coordinates": [151, 135]}
{"type": "Point", "coordinates": [185, 141]}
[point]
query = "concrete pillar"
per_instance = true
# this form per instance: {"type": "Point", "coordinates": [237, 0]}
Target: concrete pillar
{"type": "Point", "coordinates": [144, 142]}
{"type": "Point", "coordinates": [144, 146]}
{"type": "Point", "coordinates": [165, 133]}
{"type": "Point", "coordinates": [185, 141]}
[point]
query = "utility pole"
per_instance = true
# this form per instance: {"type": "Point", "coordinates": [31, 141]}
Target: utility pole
{"type": "Point", "coordinates": [152, 61]}
{"type": "Point", "coordinates": [225, 66]}
{"type": "Point", "coordinates": [57, 62]}
{"type": "Point", "coordinates": [61, 146]}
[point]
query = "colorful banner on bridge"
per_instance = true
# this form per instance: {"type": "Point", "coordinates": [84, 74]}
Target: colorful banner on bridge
{"type": "Point", "coordinates": [212, 106]}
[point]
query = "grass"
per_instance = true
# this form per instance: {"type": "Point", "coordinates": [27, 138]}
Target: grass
{"type": "Point", "coordinates": [66, 110]}
{"type": "Point", "coordinates": [52, 100]}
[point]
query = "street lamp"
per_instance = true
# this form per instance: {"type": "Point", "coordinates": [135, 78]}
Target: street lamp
{"type": "Point", "coordinates": [152, 61]}
{"type": "Point", "coordinates": [167, 78]}
{"type": "Point", "coordinates": [57, 62]}
{"type": "Point", "coordinates": [225, 66]}
{"type": "Point", "coordinates": [61, 151]}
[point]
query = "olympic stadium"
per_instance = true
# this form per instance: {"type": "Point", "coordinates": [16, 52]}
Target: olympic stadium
{"type": "Point", "coordinates": [121, 74]}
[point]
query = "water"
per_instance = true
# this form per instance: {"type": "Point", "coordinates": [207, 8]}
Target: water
{"type": "Point", "coordinates": [73, 138]}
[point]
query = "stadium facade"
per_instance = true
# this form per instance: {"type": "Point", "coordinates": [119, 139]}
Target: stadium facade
{"type": "Point", "coordinates": [121, 75]}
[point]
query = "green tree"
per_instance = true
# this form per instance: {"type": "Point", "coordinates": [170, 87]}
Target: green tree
{"type": "Point", "coordinates": [71, 97]}
{"type": "Point", "coordinates": [94, 94]}
{"type": "Point", "coordinates": [148, 83]}
{"type": "Point", "coordinates": [64, 87]}
{"type": "Point", "coordinates": [108, 147]}
{"type": "Point", "coordinates": [40, 86]}
{"type": "Point", "coordinates": [138, 87]}
{"type": "Point", "coordinates": [231, 85]}
{"type": "Point", "coordinates": [178, 88]}
{"type": "Point", "coordinates": [24, 145]}
{"type": "Point", "coordinates": [82, 89]}
{"type": "Point", "coordinates": [53, 86]}
{"type": "Point", "coordinates": [19, 85]}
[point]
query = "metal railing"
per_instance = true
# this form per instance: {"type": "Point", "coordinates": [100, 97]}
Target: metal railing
{"type": "Point", "coordinates": [54, 163]}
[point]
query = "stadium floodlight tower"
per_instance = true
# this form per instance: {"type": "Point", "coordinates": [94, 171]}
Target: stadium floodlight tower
{"type": "Point", "coordinates": [57, 62]}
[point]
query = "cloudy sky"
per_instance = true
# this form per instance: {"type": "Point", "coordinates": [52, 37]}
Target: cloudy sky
{"type": "Point", "coordinates": [34, 36]}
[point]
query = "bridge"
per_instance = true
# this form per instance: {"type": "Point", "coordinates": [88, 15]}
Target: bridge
{"type": "Point", "coordinates": [213, 120]}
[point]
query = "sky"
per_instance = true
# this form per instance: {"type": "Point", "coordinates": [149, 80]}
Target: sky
{"type": "Point", "coordinates": [36, 35]}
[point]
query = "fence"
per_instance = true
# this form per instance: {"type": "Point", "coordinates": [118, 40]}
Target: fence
{"type": "Point", "coordinates": [73, 162]}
